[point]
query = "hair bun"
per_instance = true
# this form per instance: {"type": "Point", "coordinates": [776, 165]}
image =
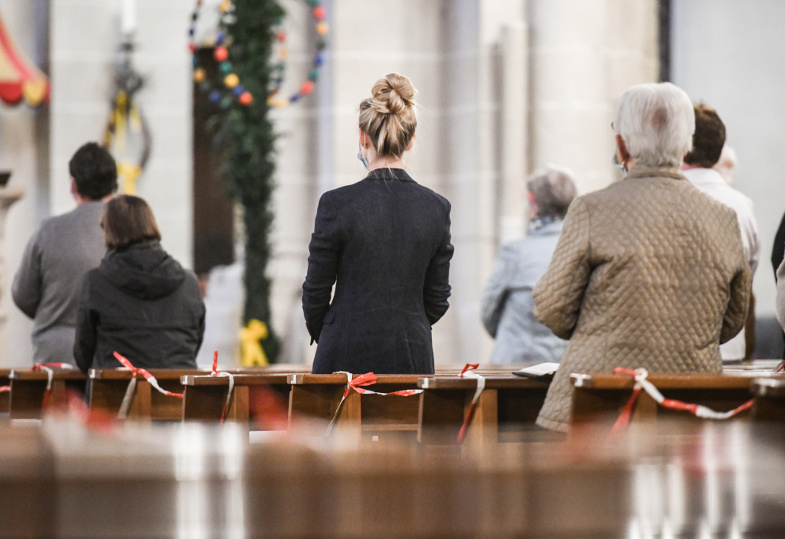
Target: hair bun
{"type": "Point", "coordinates": [392, 94]}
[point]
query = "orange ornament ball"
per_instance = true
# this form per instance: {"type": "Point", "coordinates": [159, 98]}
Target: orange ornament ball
{"type": "Point", "coordinates": [199, 75]}
{"type": "Point", "coordinates": [322, 28]}
{"type": "Point", "coordinates": [221, 54]}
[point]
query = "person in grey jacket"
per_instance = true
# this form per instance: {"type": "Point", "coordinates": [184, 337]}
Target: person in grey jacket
{"type": "Point", "coordinates": [507, 304]}
{"type": "Point", "coordinates": [61, 252]}
{"type": "Point", "coordinates": [139, 302]}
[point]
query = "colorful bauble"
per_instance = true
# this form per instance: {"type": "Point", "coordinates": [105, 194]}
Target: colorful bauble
{"type": "Point", "coordinates": [230, 79]}
{"type": "Point", "coordinates": [321, 29]}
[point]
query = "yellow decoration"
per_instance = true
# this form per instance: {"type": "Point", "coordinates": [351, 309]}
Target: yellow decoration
{"type": "Point", "coordinates": [34, 92]}
{"type": "Point", "coordinates": [199, 75]}
{"type": "Point", "coordinates": [251, 351]}
{"type": "Point", "coordinates": [322, 28]}
{"type": "Point", "coordinates": [225, 5]}
{"type": "Point", "coordinates": [129, 173]}
{"type": "Point", "coordinates": [231, 80]}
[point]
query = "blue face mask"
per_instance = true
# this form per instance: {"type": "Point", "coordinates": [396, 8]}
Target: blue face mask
{"type": "Point", "coordinates": [361, 158]}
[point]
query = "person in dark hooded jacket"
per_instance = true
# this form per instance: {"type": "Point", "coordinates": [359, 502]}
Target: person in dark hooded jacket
{"type": "Point", "coordinates": [139, 302]}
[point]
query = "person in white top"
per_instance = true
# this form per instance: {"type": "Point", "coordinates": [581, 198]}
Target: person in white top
{"type": "Point", "coordinates": [707, 144]}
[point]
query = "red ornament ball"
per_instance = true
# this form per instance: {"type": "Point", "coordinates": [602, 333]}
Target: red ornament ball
{"type": "Point", "coordinates": [307, 87]}
{"type": "Point", "coordinates": [221, 54]}
{"type": "Point", "coordinates": [318, 13]}
{"type": "Point", "coordinates": [246, 98]}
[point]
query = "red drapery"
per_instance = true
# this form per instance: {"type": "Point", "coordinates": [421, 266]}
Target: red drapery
{"type": "Point", "coordinates": [19, 78]}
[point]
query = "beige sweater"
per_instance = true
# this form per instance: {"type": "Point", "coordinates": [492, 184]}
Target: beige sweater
{"type": "Point", "coordinates": [649, 272]}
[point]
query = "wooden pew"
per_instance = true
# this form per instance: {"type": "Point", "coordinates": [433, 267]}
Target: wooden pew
{"type": "Point", "coordinates": [505, 411]}
{"type": "Point", "coordinates": [367, 416]}
{"type": "Point", "coordinates": [205, 395]}
{"type": "Point", "coordinates": [768, 399]}
{"type": "Point", "coordinates": [28, 389]}
{"type": "Point", "coordinates": [5, 396]}
{"type": "Point", "coordinates": [601, 397]}
{"type": "Point", "coordinates": [107, 388]}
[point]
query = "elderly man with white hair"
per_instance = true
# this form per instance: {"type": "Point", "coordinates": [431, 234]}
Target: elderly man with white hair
{"type": "Point", "coordinates": [648, 272]}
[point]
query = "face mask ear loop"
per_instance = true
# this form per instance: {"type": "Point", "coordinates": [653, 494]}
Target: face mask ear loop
{"type": "Point", "coordinates": [361, 158]}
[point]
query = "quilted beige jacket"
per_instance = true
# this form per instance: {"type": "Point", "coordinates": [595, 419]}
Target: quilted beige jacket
{"type": "Point", "coordinates": [648, 272]}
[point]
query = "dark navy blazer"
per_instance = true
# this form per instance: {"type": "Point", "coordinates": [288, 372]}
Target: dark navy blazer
{"type": "Point", "coordinates": [385, 244]}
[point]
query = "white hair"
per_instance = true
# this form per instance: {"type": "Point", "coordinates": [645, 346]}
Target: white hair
{"type": "Point", "coordinates": [656, 122]}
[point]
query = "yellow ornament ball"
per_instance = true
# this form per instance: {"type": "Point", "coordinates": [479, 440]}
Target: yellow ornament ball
{"type": "Point", "coordinates": [322, 28]}
{"type": "Point", "coordinates": [225, 5]}
{"type": "Point", "coordinates": [231, 80]}
{"type": "Point", "coordinates": [199, 75]}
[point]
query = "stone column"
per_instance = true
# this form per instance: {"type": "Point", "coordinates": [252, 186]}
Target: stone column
{"type": "Point", "coordinates": [8, 195]}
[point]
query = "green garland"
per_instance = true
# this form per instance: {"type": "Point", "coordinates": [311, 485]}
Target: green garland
{"type": "Point", "coordinates": [246, 139]}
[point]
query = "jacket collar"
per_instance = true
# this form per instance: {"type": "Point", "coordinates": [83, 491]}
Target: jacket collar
{"type": "Point", "coordinates": [542, 227]}
{"type": "Point", "coordinates": [385, 173]}
{"type": "Point", "coordinates": [645, 171]}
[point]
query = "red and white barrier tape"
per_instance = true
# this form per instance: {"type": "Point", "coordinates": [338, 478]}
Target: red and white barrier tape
{"type": "Point", "coordinates": [216, 372]}
{"type": "Point", "coordinates": [641, 383]}
{"type": "Point", "coordinates": [468, 372]}
{"type": "Point", "coordinates": [5, 389]}
{"type": "Point", "coordinates": [358, 384]}
{"type": "Point", "coordinates": [48, 368]}
{"type": "Point", "coordinates": [147, 376]}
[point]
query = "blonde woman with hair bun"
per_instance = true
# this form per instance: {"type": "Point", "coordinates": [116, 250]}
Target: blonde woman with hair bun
{"type": "Point", "coordinates": [384, 242]}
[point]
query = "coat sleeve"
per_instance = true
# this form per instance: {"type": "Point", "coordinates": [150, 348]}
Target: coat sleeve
{"type": "Point", "coordinates": [740, 290]}
{"type": "Point", "coordinates": [324, 251]}
{"type": "Point", "coordinates": [778, 251]}
{"type": "Point", "coordinates": [781, 294]}
{"type": "Point", "coordinates": [26, 289]}
{"type": "Point", "coordinates": [436, 290]}
{"type": "Point", "coordinates": [559, 294]}
{"type": "Point", "coordinates": [86, 329]}
{"type": "Point", "coordinates": [495, 294]}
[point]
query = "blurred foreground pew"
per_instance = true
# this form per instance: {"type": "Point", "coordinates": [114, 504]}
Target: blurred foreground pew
{"type": "Point", "coordinates": [62, 479]}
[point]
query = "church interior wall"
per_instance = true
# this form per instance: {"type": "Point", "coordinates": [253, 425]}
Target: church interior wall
{"type": "Point", "coordinates": [475, 141]}
{"type": "Point", "coordinates": [731, 56]}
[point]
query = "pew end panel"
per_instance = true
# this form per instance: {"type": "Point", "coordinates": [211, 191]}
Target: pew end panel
{"type": "Point", "coordinates": [600, 398]}
{"type": "Point", "coordinates": [769, 399]}
{"type": "Point", "coordinates": [5, 397]}
{"type": "Point", "coordinates": [205, 397]}
{"type": "Point", "coordinates": [317, 396]}
{"type": "Point", "coordinates": [29, 387]}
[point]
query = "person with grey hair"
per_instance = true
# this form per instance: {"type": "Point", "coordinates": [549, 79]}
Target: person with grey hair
{"type": "Point", "coordinates": [648, 272]}
{"type": "Point", "coordinates": [507, 304]}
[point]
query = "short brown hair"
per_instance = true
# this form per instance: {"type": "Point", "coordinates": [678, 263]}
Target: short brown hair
{"type": "Point", "coordinates": [128, 220]}
{"type": "Point", "coordinates": [708, 140]}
